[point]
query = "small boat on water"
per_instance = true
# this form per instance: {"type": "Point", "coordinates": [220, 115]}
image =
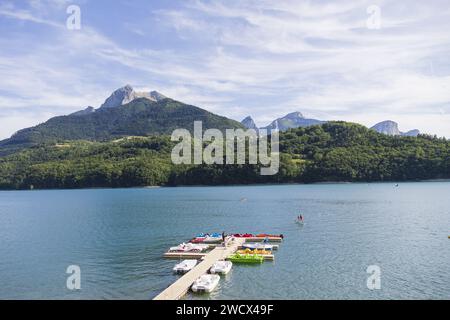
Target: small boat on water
{"type": "Point", "coordinates": [257, 246]}
{"type": "Point", "coordinates": [243, 235]}
{"type": "Point", "coordinates": [221, 267]}
{"type": "Point", "coordinates": [184, 266]}
{"type": "Point", "coordinates": [207, 238]}
{"type": "Point", "coordinates": [299, 220]}
{"type": "Point", "coordinates": [246, 258]}
{"type": "Point", "coordinates": [256, 251]}
{"type": "Point", "coordinates": [189, 247]}
{"type": "Point", "coordinates": [206, 283]}
{"type": "Point", "coordinates": [202, 235]}
{"type": "Point", "coordinates": [212, 239]}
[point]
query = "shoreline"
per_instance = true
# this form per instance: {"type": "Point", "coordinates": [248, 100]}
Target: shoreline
{"type": "Point", "coordinates": [235, 185]}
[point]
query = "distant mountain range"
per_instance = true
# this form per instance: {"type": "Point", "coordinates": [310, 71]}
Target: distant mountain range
{"type": "Point", "coordinates": [127, 112]}
{"type": "Point", "coordinates": [290, 121]}
{"type": "Point", "coordinates": [297, 120]}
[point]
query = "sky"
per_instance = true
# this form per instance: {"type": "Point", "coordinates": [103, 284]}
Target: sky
{"type": "Point", "coordinates": [359, 61]}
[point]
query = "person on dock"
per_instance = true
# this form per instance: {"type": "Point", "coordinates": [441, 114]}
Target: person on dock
{"type": "Point", "coordinates": [224, 238]}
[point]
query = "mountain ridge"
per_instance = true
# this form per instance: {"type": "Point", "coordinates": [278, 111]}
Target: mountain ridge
{"type": "Point", "coordinates": [290, 121]}
{"type": "Point", "coordinates": [298, 120]}
{"type": "Point", "coordinates": [127, 112]}
{"type": "Point", "coordinates": [139, 117]}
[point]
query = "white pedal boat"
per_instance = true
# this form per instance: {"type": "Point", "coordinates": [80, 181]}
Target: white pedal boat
{"type": "Point", "coordinates": [221, 267]}
{"type": "Point", "coordinates": [189, 247]}
{"type": "Point", "coordinates": [258, 246]}
{"type": "Point", "coordinates": [184, 266]}
{"type": "Point", "coordinates": [206, 283]}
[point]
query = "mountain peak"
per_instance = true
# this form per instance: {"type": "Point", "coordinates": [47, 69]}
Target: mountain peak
{"type": "Point", "coordinates": [293, 115]}
{"type": "Point", "coordinates": [390, 128]}
{"type": "Point", "coordinates": [249, 123]}
{"type": "Point", "coordinates": [119, 97]}
{"type": "Point", "coordinates": [292, 120]}
{"type": "Point", "coordinates": [157, 96]}
{"type": "Point", "coordinates": [127, 94]}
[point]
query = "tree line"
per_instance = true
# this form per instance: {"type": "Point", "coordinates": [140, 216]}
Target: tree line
{"type": "Point", "coordinates": [334, 151]}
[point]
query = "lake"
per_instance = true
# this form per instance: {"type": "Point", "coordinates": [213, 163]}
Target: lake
{"type": "Point", "coordinates": [117, 238]}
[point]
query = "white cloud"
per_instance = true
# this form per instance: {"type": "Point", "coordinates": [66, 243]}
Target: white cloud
{"type": "Point", "coordinates": [262, 58]}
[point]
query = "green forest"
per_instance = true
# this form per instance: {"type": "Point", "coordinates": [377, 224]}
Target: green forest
{"type": "Point", "coordinates": [334, 151]}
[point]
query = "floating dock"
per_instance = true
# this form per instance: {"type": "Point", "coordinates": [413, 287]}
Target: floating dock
{"type": "Point", "coordinates": [180, 287]}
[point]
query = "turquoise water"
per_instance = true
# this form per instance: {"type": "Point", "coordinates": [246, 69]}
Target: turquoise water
{"type": "Point", "coordinates": [117, 237]}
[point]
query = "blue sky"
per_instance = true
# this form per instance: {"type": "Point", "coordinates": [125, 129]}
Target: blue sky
{"type": "Point", "coordinates": [236, 58]}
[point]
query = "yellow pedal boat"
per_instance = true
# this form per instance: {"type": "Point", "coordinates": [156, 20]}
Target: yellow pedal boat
{"type": "Point", "coordinates": [248, 251]}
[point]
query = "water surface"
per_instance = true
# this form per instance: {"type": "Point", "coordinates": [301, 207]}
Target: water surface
{"type": "Point", "coordinates": [118, 236]}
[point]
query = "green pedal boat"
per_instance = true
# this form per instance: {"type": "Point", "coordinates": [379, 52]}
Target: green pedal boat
{"type": "Point", "coordinates": [246, 258]}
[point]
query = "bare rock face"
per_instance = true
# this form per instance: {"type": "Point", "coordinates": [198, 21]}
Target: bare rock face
{"type": "Point", "coordinates": [127, 94]}
{"type": "Point", "coordinates": [391, 128]}
{"type": "Point", "coordinates": [411, 133]}
{"type": "Point", "coordinates": [387, 127]}
{"type": "Point", "coordinates": [249, 123]}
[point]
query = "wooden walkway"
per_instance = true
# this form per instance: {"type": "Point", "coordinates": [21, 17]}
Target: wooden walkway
{"type": "Point", "coordinates": [180, 287]}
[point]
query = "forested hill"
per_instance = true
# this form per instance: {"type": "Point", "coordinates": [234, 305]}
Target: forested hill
{"type": "Point", "coordinates": [141, 117]}
{"type": "Point", "coordinates": [335, 151]}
